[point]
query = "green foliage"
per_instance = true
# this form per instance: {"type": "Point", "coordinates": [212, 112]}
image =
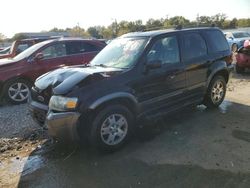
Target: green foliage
{"type": "Point", "coordinates": [244, 22]}
{"type": "Point", "coordinates": [19, 36]}
{"type": "Point", "coordinates": [179, 20]}
{"type": "Point", "coordinates": [77, 32]}
{"type": "Point", "coordinates": [55, 29]}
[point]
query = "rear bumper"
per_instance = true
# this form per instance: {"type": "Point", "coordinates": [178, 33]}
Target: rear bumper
{"type": "Point", "coordinates": [62, 125]}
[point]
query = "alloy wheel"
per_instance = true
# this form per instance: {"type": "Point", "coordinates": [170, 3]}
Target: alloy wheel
{"type": "Point", "coordinates": [114, 129]}
{"type": "Point", "coordinates": [217, 91]}
{"type": "Point", "coordinates": [18, 92]}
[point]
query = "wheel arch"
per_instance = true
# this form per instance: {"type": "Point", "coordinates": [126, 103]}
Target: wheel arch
{"type": "Point", "coordinates": [17, 78]}
{"type": "Point", "coordinates": [122, 98]}
{"type": "Point", "coordinates": [218, 71]}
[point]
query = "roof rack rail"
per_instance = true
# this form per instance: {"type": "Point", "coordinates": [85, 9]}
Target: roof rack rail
{"type": "Point", "coordinates": [154, 28]}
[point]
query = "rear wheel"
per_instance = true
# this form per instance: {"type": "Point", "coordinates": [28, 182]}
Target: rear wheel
{"type": "Point", "coordinates": [17, 91]}
{"type": "Point", "coordinates": [111, 128]}
{"type": "Point", "coordinates": [239, 69]}
{"type": "Point", "coordinates": [216, 92]}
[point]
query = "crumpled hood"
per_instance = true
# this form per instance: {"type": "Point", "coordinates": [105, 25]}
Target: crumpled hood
{"type": "Point", "coordinates": [64, 79]}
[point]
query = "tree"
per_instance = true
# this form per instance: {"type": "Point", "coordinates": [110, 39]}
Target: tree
{"type": "Point", "coordinates": [218, 19]}
{"type": "Point", "coordinates": [55, 29]}
{"type": "Point", "coordinates": [106, 33]}
{"type": "Point", "coordinates": [77, 32]}
{"type": "Point", "coordinates": [19, 36]}
{"type": "Point", "coordinates": [179, 20]}
{"type": "Point", "coordinates": [204, 20]}
{"type": "Point", "coordinates": [244, 22]}
{"type": "Point", "coordinates": [154, 23]}
{"type": "Point", "coordinates": [95, 32]}
{"type": "Point", "coordinates": [2, 37]}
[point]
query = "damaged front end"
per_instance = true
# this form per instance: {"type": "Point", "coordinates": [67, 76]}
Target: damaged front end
{"type": "Point", "coordinates": [61, 82]}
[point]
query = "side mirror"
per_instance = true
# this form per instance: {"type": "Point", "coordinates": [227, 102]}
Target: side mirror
{"type": "Point", "coordinates": [38, 56]}
{"type": "Point", "coordinates": [231, 38]}
{"type": "Point", "coordinates": [155, 64]}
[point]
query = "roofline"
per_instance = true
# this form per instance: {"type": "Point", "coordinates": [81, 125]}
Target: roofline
{"type": "Point", "coordinates": [153, 33]}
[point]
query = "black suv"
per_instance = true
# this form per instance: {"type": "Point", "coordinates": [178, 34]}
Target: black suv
{"type": "Point", "coordinates": [138, 76]}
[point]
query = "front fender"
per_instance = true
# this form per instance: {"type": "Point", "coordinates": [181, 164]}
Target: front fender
{"type": "Point", "coordinates": [112, 96]}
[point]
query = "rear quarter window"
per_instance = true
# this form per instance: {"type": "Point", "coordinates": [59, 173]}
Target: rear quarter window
{"type": "Point", "coordinates": [216, 41]}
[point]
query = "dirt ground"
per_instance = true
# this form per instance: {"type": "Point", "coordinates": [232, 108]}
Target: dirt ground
{"type": "Point", "coordinates": [196, 147]}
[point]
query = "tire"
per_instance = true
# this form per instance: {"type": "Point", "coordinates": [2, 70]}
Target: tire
{"type": "Point", "coordinates": [234, 48]}
{"type": "Point", "coordinates": [238, 69]}
{"type": "Point", "coordinates": [216, 92]}
{"type": "Point", "coordinates": [111, 128]}
{"type": "Point", "coordinates": [17, 91]}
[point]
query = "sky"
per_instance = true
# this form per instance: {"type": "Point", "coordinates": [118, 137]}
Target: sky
{"type": "Point", "coordinates": [41, 15]}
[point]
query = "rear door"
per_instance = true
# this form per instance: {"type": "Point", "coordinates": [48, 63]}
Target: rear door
{"type": "Point", "coordinates": [196, 61]}
{"type": "Point", "coordinates": [80, 52]}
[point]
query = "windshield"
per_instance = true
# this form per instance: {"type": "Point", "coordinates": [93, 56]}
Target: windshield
{"type": "Point", "coordinates": [120, 53]}
{"type": "Point", "coordinates": [31, 50]}
{"type": "Point", "coordinates": [241, 35]}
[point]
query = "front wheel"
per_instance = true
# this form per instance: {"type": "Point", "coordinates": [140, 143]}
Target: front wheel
{"type": "Point", "coordinates": [111, 128]}
{"type": "Point", "coordinates": [216, 92]}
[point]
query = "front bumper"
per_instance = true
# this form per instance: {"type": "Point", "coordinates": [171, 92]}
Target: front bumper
{"type": "Point", "coordinates": [62, 125]}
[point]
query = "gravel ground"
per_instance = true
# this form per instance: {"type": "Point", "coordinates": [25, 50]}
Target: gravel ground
{"type": "Point", "coordinates": [19, 133]}
{"type": "Point", "coordinates": [15, 121]}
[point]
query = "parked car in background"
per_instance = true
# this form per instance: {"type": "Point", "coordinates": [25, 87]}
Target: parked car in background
{"type": "Point", "coordinates": [236, 39]}
{"type": "Point", "coordinates": [19, 46]}
{"type": "Point", "coordinates": [243, 57]}
{"type": "Point", "coordinates": [139, 76]}
{"type": "Point", "coordinates": [5, 50]}
{"type": "Point", "coordinates": [17, 74]}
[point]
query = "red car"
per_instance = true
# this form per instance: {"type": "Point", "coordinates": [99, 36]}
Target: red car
{"type": "Point", "coordinates": [243, 57]}
{"type": "Point", "coordinates": [19, 46]}
{"type": "Point", "coordinates": [17, 74]}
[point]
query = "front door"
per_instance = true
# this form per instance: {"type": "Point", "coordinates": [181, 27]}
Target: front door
{"type": "Point", "coordinates": [160, 88]}
{"type": "Point", "coordinates": [54, 56]}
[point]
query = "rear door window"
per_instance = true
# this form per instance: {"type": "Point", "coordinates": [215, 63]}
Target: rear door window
{"type": "Point", "coordinates": [78, 47]}
{"type": "Point", "coordinates": [194, 46]}
{"type": "Point", "coordinates": [216, 41]}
